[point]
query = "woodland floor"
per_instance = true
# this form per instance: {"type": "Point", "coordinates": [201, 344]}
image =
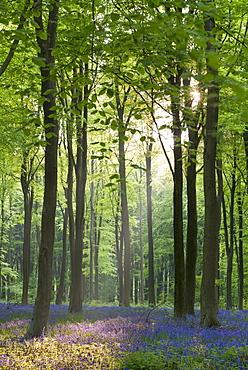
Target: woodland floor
{"type": "Point", "coordinates": [116, 338]}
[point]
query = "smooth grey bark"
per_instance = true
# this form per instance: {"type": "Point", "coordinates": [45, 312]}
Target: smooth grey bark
{"type": "Point", "coordinates": [141, 250]}
{"type": "Point", "coordinates": [60, 292]}
{"type": "Point", "coordinates": [48, 90]}
{"type": "Point", "coordinates": [151, 291]}
{"type": "Point", "coordinates": [245, 138]}
{"type": "Point", "coordinates": [2, 242]}
{"type": "Point", "coordinates": [125, 224]}
{"type": "Point", "coordinates": [125, 229]}
{"type": "Point", "coordinates": [119, 253]}
{"type": "Point", "coordinates": [28, 197]}
{"type": "Point", "coordinates": [92, 230]}
{"type": "Point", "coordinates": [230, 247]}
{"type": "Point", "coordinates": [76, 293]}
{"type": "Point", "coordinates": [193, 119]}
{"type": "Point", "coordinates": [96, 257]}
{"type": "Point", "coordinates": [69, 195]}
{"type": "Point", "coordinates": [240, 253]}
{"type": "Point", "coordinates": [221, 211]}
{"type": "Point", "coordinates": [9, 250]}
{"type": "Point", "coordinates": [179, 262]}
{"type": "Point", "coordinates": [210, 244]}
{"type": "Point", "coordinates": [191, 244]}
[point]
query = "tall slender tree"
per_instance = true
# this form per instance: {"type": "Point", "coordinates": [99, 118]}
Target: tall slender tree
{"type": "Point", "coordinates": [151, 287]}
{"type": "Point", "coordinates": [210, 245]}
{"type": "Point", "coordinates": [179, 263]}
{"type": "Point", "coordinates": [28, 195]}
{"type": "Point", "coordinates": [46, 40]}
{"type": "Point", "coordinates": [76, 293]}
{"type": "Point", "coordinates": [125, 232]}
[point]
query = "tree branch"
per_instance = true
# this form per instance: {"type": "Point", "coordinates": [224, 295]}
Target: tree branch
{"type": "Point", "coordinates": [15, 42]}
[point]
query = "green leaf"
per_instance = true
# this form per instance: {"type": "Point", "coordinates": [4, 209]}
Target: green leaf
{"type": "Point", "coordinates": [102, 91]}
{"type": "Point", "coordinates": [42, 35]}
{"type": "Point", "coordinates": [124, 138]}
{"type": "Point", "coordinates": [101, 9]}
{"type": "Point", "coordinates": [213, 61]}
{"type": "Point", "coordinates": [49, 135]}
{"type": "Point", "coordinates": [107, 48]}
{"type": "Point", "coordinates": [151, 139]}
{"type": "Point", "coordinates": [56, 107]}
{"type": "Point", "coordinates": [94, 98]}
{"type": "Point", "coordinates": [113, 124]}
{"type": "Point", "coordinates": [4, 21]}
{"type": "Point", "coordinates": [239, 91]}
{"type": "Point", "coordinates": [85, 58]}
{"type": "Point", "coordinates": [36, 13]}
{"type": "Point", "coordinates": [114, 16]}
{"type": "Point", "coordinates": [110, 93]}
{"type": "Point", "coordinates": [125, 58]}
{"type": "Point", "coordinates": [121, 128]}
{"type": "Point", "coordinates": [38, 61]}
{"type": "Point", "coordinates": [209, 77]}
{"type": "Point", "coordinates": [3, 7]}
{"type": "Point", "coordinates": [138, 167]}
{"type": "Point", "coordinates": [53, 71]}
{"type": "Point", "coordinates": [26, 131]}
{"type": "Point", "coordinates": [49, 91]}
{"type": "Point", "coordinates": [114, 176]}
{"type": "Point", "coordinates": [110, 184]}
{"type": "Point", "coordinates": [55, 52]}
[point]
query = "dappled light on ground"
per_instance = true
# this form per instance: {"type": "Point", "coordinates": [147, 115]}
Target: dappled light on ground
{"type": "Point", "coordinates": [122, 338]}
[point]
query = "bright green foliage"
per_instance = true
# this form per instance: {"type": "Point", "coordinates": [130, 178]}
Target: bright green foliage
{"type": "Point", "coordinates": [135, 45]}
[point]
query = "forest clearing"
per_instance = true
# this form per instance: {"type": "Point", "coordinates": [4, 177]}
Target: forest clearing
{"type": "Point", "coordinates": [115, 338]}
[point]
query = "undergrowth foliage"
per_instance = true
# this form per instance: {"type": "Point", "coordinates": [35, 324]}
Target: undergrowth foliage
{"type": "Point", "coordinates": [117, 338]}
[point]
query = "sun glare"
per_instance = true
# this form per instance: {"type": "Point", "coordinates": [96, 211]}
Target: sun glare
{"type": "Point", "coordinates": [195, 94]}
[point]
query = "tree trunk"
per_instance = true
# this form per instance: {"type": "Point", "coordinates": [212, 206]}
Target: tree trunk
{"type": "Point", "coordinates": [191, 246]}
{"type": "Point", "coordinates": [119, 253]}
{"type": "Point", "coordinates": [125, 223]}
{"type": "Point", "coordinates": [141, 253]}
{"type": "Point", "coordinates": [151, 292]}
{"type": "Point", "coordinates": [92, 231]}
{"type": "Point", "coordinates": [124, 204]}
{"type": "Point", "coordinates": [2, 241]}
{"type": "Point", "coordinates": [229, 251]}
{"type": "Point", "coordinates": [61, 288]}
{"type": "Point", "coordinates": [245, 137]}
{"type": "Point", "coordinates": [48, 89]}
{"type": "Point", "coordinates": [9, 249]}
{"type": "Point", "coordinates": [76, 296]}
{"type": "Point", "coordinates": [210, 244]}
{"type": "Point", "coordinates": [193, 120]}
{"type": "Point", "coordinates": [28, 203]}
{"type": "Point", "coordinates": [179, 264]}
{"type": "Point", "coordinates": [96, 262]}
{"type": "Point", "coordinates": [69, 197]}
{"type": "Point", "coordinates": [240, 254]}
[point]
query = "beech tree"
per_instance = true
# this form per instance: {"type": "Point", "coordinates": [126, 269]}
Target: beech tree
{"type": "Point", "coordinates": [210, 245]}
{"type": "Point", "coordinates": [46, 40]}
{"type": "Point", "coordinates": [125, 231]}
{"type": "Point", "coordinates": [28, 194]}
